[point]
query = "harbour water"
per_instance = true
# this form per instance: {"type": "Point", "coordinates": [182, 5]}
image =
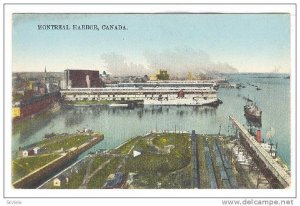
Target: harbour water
{"type": "Point", "coordinates": [120, 124]}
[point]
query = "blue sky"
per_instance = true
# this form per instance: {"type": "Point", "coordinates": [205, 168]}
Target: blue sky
{"type": "Point", "coordinates": [245, 42]}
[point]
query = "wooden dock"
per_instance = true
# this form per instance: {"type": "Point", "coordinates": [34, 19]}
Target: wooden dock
{"type": "Point", "coordinates": [269, 162]}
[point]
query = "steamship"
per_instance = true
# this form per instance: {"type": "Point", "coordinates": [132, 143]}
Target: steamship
{"type": "Point", "coordinates": [252, 111]}
{"type": "Point", "coordinates": [150, 93]}
{"type": "Point", "coordinates": [34, 105]}
{"type": "Point", "coordinates": [186, 97]}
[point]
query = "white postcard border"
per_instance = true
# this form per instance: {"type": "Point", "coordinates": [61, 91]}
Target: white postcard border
{"type": "Point", "coordinates": [97, 8]}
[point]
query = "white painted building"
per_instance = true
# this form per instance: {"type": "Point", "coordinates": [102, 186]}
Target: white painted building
{"type": "Point", "coordinates": [36, 150]}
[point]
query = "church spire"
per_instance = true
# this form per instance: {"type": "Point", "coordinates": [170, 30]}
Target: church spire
{"type": "Point", "coordinates": [45, 75]}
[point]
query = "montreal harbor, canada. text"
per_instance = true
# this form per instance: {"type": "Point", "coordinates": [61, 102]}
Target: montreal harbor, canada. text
{"type": "Point", "coordinates": [80, 27]}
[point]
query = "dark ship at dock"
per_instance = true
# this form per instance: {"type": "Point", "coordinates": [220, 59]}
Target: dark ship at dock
{"type": "Point", "coordinates": [35, 105]}
{"type": "Point", "coordinates": [252, 112]}
{"type": "Point", "coordinates": [34, 96]}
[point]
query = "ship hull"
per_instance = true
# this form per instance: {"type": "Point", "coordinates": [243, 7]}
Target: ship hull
{"type": "Point", "coordinates": [182, 101]}
{"type": "Point", "coordinates": [38, 105]}
{"type": "Point", "coordinates": [148, 96]}
{"type": "Point", "coordinates": [252, 117]}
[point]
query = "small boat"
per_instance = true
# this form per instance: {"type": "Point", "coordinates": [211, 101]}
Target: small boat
{"type": "Point", "coordinates": [81, 105]}
{"type": "Point", "coordinates": [270, 148]}
{"type": "Point", "coordinates": [118, 105]}
{"type": "Point", "coordinates": [252, 112]}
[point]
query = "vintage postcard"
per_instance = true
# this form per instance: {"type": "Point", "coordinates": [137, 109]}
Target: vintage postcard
{"type": "Point", "coordinates": [184, 100]}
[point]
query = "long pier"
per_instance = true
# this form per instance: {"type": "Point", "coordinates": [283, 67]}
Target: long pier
{"type": "Point", "coordinates": [279, 177]}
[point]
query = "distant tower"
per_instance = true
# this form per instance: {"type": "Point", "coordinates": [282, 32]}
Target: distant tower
{"type": "Point", "coordinates": [46, 80]}
{"type": "Point", "coordinates": [45, 75]}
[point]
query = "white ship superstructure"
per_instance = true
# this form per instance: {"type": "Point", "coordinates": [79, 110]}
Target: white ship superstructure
{"type": "Point", "coordinates": [169, 84]}
{"type": "Point", "coordinates": [165, 93]}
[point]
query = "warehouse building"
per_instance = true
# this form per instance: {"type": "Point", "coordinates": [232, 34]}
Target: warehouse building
{"type": "Point", "coordinates": [82, 79]}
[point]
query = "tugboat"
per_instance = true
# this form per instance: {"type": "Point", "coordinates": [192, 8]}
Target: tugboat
{"type": "Point", "coordinates": [268, 145]}
{"type": "Point", "coordinates": [252, 112]}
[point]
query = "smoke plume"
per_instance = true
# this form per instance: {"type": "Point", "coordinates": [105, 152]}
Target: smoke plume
{"type": "Point", "coordinates": [181, 61]}
{"type": "Point", "coordinates": [177, 62]}
{"type": "Point", "coordinates": [116, 65]}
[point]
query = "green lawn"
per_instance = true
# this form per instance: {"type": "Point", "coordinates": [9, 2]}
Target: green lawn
{"type": "Point", "coordinates": [147, 180]}
{"type": "Point", "coordinates": [75, 180]}
{"type": "Point", "coordinates": [99, 179]}
{"type": "Point", "coordinates": [98, 160]}
{"type": "Point", "coordinates": [142, 145]}
{"type": "Point", "coordinates": [178, 158]}
{"type": "Point", "coordinates": [153, 167]}
{"type": "Point", "coordinates": [23, 166]}
{"type": "Point", "coordinates": [124, 149]}
{"type": "Point", "coordinates": [162, 141]}
{"type": "Point", "coordinates": [65, 142]}
{"type": "Point", "coordinates": [181, 179]}
{"type": "Point", "coordinates": [171, 170]}
{"type": "Point", "coordinates": [202, 164]}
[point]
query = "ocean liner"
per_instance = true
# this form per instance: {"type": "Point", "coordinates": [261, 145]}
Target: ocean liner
{"type": "Point", "coordinates": [150, 93]}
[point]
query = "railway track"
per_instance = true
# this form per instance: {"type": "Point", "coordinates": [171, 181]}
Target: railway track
{"type": "Point", "coordinates": [228, 178]}
{"type": "Point", "coordinates": [195, 162]}
{"type": "Point", "coordinates": [210, 168]}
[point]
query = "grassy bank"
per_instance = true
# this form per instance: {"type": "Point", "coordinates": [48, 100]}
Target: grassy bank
{"type": "Point", "coordinates": [152, 160]}
{"type": "Point", "coordinates": [98, 180]}
{"type": "Point", "coordinates": [164, 159]}
{"type": "Point", "coordinates": [164, 162]}
{"type": "Point", "coordinates": [158, 165]}
{"type": "Point", "coordinates": [64, 142]}
{"type": "Point", "coordinates": [23, 166]}
{"type": "Point", "coordinates": [49, 150]}
{"type": "Point", "coordinates": [202, 164]}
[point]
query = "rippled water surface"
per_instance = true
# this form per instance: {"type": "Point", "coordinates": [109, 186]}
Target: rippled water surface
{"type": "Point", "coordinates": [120, 124]}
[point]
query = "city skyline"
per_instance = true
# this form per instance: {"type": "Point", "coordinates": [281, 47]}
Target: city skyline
{"type": "Point", "coordinates": [144, 43]}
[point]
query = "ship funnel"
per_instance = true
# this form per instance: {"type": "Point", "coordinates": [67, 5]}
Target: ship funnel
{"type": "Point", "coordinates": [258, 136]}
